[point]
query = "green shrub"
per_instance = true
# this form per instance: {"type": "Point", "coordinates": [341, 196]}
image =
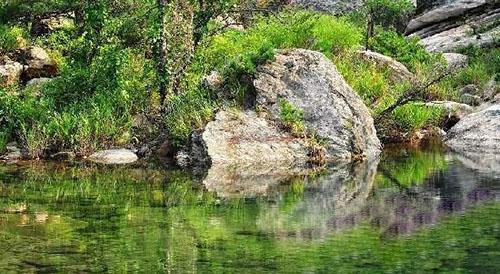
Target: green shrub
{"type": "Point", "coordinates": [333, 35]}
{"type": "Point", "coordinates": [11, 38]}
{"type": "Point", "coordinates": [415, 116]}
{"type": "Point", "coordinates": [292, 117]}
{"type": "Point", "coordinates": [406, 50]}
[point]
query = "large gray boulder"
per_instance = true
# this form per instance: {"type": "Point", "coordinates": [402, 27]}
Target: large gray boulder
{"type": "Point", "coordinates": [333, 112]}
{"type": "Point", "coordinates": [477, 133]}
{"type": "Point", "coordinates": [446, 26]}
{"type": "Point", "coordinates": [245, 140]}
{"type": "Point", "coordinates": [114, 157]}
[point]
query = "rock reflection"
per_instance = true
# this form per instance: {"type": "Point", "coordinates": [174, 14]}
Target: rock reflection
{"type": "Point", "coordinates": [431, 187]}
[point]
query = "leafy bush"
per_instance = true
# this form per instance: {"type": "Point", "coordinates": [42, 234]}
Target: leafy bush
{"type": "Point", "coordinates": [292, 117]}
{"type": "Point", "coordinates": [406, 50]}
{"type": "Point", "coordinates": [415, 116]}
{"type": "Point", "coordinates": [11, 38]}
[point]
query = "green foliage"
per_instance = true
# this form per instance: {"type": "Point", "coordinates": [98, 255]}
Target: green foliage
{"type": "Point", "coordinates": [332, 35]}
{"type": "Point", "coordinates": [292, 117]}
{"type": "Point", "coordinates": [11, 38]}
{"type": "Point", "coordinates": [416, 116]}
{"type": "Point", "coordinates": [409, 167]}
{"type": "Point", "coordinates": [389, 14]}
{"type": "Point", "coordinates": [406, 50]}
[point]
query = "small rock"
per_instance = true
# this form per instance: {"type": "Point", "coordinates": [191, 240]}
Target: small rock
{"type": "Point", "coordinates": [470, 89]}
{"type": "Point", "coordinates": [491, 88]}
{"type": "Point", "coordinates": [114, 157]}
{"type": "Point", "coordinates": [213, 82]}
{"type": "Point", "coordinates": [455, 61]}
{"type": "Point", "coordinates": [10, 72]}
{"type": "Point", "coordinates": [471, 100]}
{"type": "Point", "coordinates": [13, 153]}
{"type": "Point", "coordinates": [37, 82]}
{"type": "Point", "coordinates": [397, 70]}
{"type": "Point", "coordinates": [143, 151]}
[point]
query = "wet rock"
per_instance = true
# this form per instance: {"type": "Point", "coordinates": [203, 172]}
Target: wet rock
{"type": "Point", "coordinates": [455, 61]}
{"type": "Point", "coordinates": [114, 157]}
{"type": "Point", "coordinates": [10, 72]}
{"type": "Point", "coordinates": [38, 64]}
{"type": "Point", "coordinates": [398, 71]}
{"type": "Point", "coordinates": [428, 136]}
{"type": "Point", "coordinates": [332, 110]}
{"type": "Point", "coordinates": [477, 132]}
{"type": "Point", "coordinates": [243, 139]}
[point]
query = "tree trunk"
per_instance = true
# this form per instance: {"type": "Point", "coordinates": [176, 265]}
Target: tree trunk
{"type": "Point", "coordinates": [162, 51]}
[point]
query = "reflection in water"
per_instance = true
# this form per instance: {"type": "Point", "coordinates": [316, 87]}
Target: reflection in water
{"type": "Point", "coordinates": [346, 219]}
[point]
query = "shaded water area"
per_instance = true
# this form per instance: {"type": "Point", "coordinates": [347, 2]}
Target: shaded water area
{"type": "Point", "coordinates": [413, 211]}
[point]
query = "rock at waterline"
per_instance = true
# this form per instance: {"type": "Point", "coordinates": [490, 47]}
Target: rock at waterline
{"type": "Point", "coordinates": [332, 111]}
{"type": "Point", "coordinates": [477, 133]}
{"type": "Point", "coordinates": [237, 138]}
{"type": "Point", "coordinates": [114, 157]}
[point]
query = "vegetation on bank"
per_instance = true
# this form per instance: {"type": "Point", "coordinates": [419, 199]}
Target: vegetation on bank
{"type": "Point", "coordinates": [109, 74]}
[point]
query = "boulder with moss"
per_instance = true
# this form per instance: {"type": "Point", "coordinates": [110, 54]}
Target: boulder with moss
{"type": "Point", "coordinates": [332, 111]}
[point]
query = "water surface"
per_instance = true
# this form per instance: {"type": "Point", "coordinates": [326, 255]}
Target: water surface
{"type": "Point", "coordinates": [413, 211]}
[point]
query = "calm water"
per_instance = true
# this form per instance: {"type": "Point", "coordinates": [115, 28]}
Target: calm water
{"type": "Point", "coordinates": [413, 211]}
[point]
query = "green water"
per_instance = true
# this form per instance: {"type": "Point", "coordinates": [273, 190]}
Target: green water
{"type": "Point", "coordinates": [414, 212]}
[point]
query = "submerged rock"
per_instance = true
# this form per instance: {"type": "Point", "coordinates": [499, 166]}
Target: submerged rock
{"type": "Point", "coordinates": [243, 139]}
{"type": "Point", "coordinates": [477, 133]}
{"type": "Point", "coordinates": [332, 111]}
{"type": "Point", "coordinates": [114, 157]}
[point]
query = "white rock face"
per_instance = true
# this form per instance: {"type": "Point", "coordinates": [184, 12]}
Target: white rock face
{"type": "Point", "coordinates": [478, 132]}
{"type": "Point", "coordinates": [114, 157]}
{"type": "Point", "coordinates": [332, 110]}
